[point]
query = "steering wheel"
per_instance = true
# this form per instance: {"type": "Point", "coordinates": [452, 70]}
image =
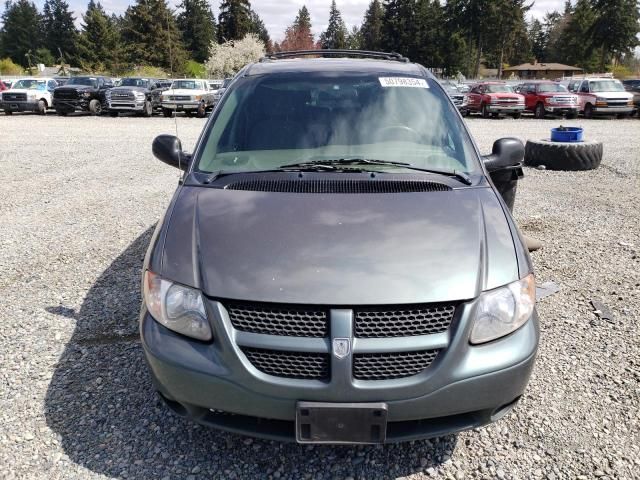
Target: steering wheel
{"type": "Point", "coordinates": [397, 130]}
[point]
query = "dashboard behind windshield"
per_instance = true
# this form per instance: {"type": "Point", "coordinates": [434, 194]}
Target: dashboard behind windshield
{"type": "Point", "coordinates": [269, 121]}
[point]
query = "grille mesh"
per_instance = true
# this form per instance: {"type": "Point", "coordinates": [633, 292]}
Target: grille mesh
{"type": "Point", "coordinates": [336, 186]}
{"type": "Point", "coordinates": [386, 366]}
{"type": "Point", "coordinates": [309, 366]}
{"type": "Point", "coordinates": [282, 320]}
{"type": "Point", "coordinates": [405, 322]}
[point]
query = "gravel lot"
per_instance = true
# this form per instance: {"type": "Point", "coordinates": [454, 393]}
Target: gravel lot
{"type": "Point", "coordinates": [80, 197]}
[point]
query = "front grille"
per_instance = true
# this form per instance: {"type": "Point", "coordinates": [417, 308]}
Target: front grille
{"type": "Point", "coordinates": [283, 320]}
{"type": "Point", "coordinates": [14, 97]}
{"type": "Point", "coordinates": [387, 366]}
{"type": "Point", "coordinates": [122, 95]}
{"type": "Point", "coordinates": [403, 322]}
{"type": "Point", "coordinates": [180, 98]}
{"type": "Point", "coordinates": [335, 186]}
{"type": "Point", "coordinates": [308, 366]}
{"type": "Point", "coordinates": [65, 94]}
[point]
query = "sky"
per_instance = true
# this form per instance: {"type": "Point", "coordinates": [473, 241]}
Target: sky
{"type": "Point", "coordinates": [278, 14]}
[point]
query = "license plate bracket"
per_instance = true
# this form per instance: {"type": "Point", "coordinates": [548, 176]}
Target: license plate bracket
{"type": "Point", "coordinates": [346, 423]}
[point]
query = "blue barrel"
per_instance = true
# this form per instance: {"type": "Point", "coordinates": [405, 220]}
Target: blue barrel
{"type": "Point", "coordinates": [566, 134]}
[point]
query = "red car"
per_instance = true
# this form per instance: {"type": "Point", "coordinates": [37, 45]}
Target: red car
{"type": "Point", "coordinates": [547, 97]}
{"type": "Point", "coordinates": [3, 87]}
{"type": "Point", "coordinates": [495, 98]}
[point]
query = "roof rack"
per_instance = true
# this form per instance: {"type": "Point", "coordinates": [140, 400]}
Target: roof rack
{"type": "Point", "coordinates": [336, 53]}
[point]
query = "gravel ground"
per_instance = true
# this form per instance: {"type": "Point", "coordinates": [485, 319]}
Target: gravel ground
{"type": "Point", "coordinates": [80, 197]}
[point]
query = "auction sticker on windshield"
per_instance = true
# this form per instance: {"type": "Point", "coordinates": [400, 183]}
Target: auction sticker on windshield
{"type": "Point", "coordinates": [403, 82]}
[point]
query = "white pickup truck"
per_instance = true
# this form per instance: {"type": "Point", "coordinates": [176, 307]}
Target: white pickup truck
{"type": "Point", "coordinates": [28, 95]}
{"type": "Point", "coordinates": [603, 96]}
{"type": "Point", "coordinates": [189, 96]}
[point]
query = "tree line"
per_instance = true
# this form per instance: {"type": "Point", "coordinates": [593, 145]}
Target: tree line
{"type": "Point", "coordinates": [450, 37]}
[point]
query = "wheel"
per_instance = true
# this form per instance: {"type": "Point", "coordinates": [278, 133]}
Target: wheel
{"type": "Point", "coordinates": [516, 115]}
{"type": "Point", "coordinates": [484, 110]}
{"type": "Point", "coordinates": [539, 111]}
{"type": "Point", "coordinates": [41, 108]}
{"type": "Point", "coordinates": [61, 112]}
{"type": "Point", "coordinates": [588, 111]}
{"type": "Point", "coordinates": [495, 115]}
{"type": "Point", "coordinates": [563, 155]}
{"type": "Point", "coordinates": [113, 114]}
{"type": "Point", "coordinates": [167, 112]}
{"type": "Point", "coordinates": [202, 111]}
{"type": "Point", "coordinates": [148, 109]}
{"type": "Point", "coordinates": [95, 107]}
{"type": "Point", "coordinates": [8, 112]}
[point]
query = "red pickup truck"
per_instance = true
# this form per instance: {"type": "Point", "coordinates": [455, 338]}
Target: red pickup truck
{"type": "Point", "coordinates": [495, 98]}
{"type": "Point", "coordinates": [547, 97]}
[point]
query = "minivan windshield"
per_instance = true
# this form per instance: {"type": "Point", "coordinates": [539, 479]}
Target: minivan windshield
{"type": "Point", "coordinates": [277, 119]}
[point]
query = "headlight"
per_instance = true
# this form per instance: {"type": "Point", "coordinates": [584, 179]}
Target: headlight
{"type": "Point", "coordinates": [177, 307]}
{"type": "Point", "coordinates": [504, 310]}
{"type": "Point", "coordinates": [165, 97]}
{"type": "Point", "coordinates": [493, 100]}
{"type": "Point", "coordinates": [86, 94]}
{"type": "Point", "coordinates": [197, 98]}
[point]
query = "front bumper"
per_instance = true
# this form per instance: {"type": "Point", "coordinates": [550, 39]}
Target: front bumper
{"type": "Point", "coordinates": [28, 106]}
{"type": "Point", "coordinates": [181, 106]}
{"type": "Point", "coordinates": [510, 109]}
{"type": "Point", "coordinates": [215, 384]}
{"type": "Point", "coordinates": [126, 106]}
{"type": "Point", "coordinates": [566, 109]}
{"type": "Point", "coordinates": [79, 104]}
{"type": "Point", "coordinates": [612, 110]}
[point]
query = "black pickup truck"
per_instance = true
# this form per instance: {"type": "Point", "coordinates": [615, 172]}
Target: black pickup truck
{"type": "Point", "coordinates": [82, 93]}
{"type": "Point", "coordinates": [138, 95]}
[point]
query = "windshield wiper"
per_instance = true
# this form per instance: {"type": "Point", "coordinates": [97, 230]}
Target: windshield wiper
{"type": "Point", "coordinates": [285, 168]}
{"type": "Point", "coordinates": [463, 177]}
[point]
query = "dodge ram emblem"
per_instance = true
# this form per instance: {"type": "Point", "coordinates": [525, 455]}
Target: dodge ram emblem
{"type": "Point", "coordinates": [341, 347]}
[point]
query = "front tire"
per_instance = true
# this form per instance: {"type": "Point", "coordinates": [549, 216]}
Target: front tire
{"type": "Point", "coordinates": [539, 111]}
{"type": "Point", "coordinates": [95, 107]}
{"type": "Point", "coordinates": [202, 111]}
{"type": "Point", "coordinates": [484, 110]}
{"type": "Point", "coordinates": [516, 115]}
{"type": "Point", "coordinates": [167, 112]}
{"type": "Point", "coordinates": [8, 112]}
{"type": "Point", "coordinates": [571, 116]}
{"type": "Point", "coordinates": [41, 108]}
{"type": "Point", "coordinates": [148, 109]}
{"type": "Point", "coordinates": [588, 111]}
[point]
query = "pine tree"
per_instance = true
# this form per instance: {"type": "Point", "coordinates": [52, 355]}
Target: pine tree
{"type": "Point", "coordinates": [538, 39]}
{"type": "Point", "coordinates": [20, 32]}
{"type": "Point", "coordinates": [151, 36]}
{"type": "Point", "coordinates": [234, 21]}
{"type": "Point", "coordinates": [198, 26]}
{"type": "Point", "coordinates": [429, 33]}
{"type": "Point", "coordinates": [573, 43]}
{"type": "Point", "coordinates": [371, 30]}
{"type": "Point", "coordinates": [60, 34]}
{"type": "Point", "coordinates": [335, 36]}
{"type": "Point", "coordinates": [354, 38]}
{"type": "Point", "coordinates": [99, 42]}
{"type": "Point", "coordinates": [298, 36]}
{"type": "Point", "coordinates": [398, 27]}
{"type": "Point", "coordinates": [615, 29]}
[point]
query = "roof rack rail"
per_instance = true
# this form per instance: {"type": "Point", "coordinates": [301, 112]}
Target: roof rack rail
{"type": "Point", "coordinates": [336, 53]}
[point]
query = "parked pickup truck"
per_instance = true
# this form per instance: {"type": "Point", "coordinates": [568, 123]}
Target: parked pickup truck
{"type": "Point", "coordinates": [137, 95]}
{"type": "Point", "coordinates": [604, 96]}
{"type": "Point", "coordinates": [494, 98]}
{"type": "Point", "coordinates": [633, 87]}
{"type": "Point", "coordinates": [458, 98]}
{"type": "Point", "coordinates": [547, 97]}
{"type": "Point", "coordinates": [82, 93]}
{"type": "Point", "coordinates": [28, 95]}
{"type": "Point", "coordinates": [191, 96]}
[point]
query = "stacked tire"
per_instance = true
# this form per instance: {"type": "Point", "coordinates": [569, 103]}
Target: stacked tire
{"type": "Point", "coordinates": [572, 156]}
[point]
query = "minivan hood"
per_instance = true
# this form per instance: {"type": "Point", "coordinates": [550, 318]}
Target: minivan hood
{"type": "Point", "coordinates": [339, 249]}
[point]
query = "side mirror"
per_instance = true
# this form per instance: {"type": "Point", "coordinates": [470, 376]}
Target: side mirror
{"type": "Point", "coordinates": [507, 152]}
{"type": "Point", "coordinates": [168, 149]}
